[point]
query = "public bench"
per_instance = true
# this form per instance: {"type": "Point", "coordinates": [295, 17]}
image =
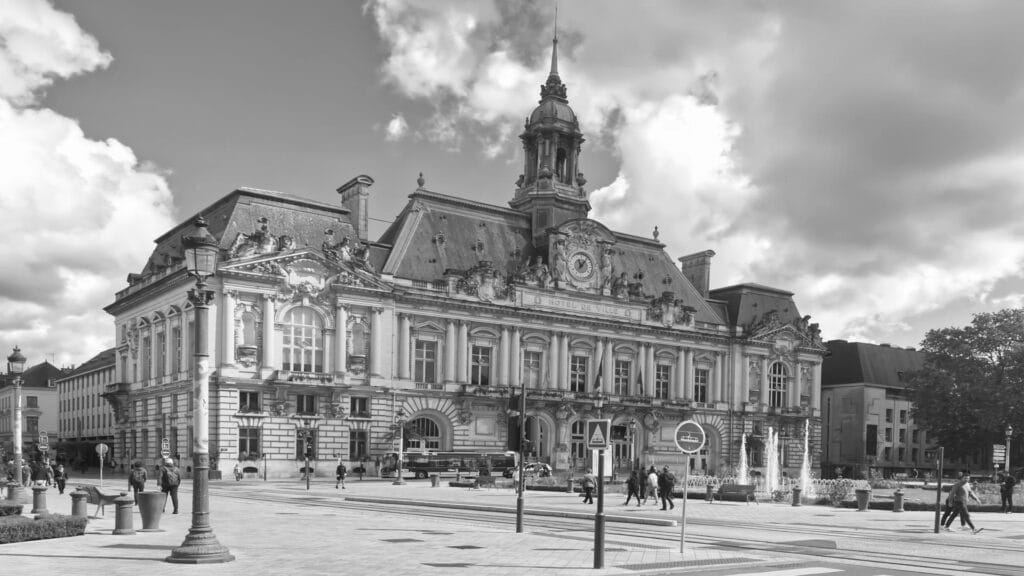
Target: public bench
{"type": "Point", "coordinates": [100, 498]}
{"type": "Point", "coordinates": [735, 492]}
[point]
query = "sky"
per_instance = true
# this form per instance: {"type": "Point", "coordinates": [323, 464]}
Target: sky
{"type": "Point", "coordinates": [866, 155]}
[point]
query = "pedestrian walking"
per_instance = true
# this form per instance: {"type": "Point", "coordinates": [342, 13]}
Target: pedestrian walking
{"type": "Point", "coordinates": [666, 483]}
{"type": "Point", "coordinates": [633, 488]}
{"type": "Point", "coordinates": [961, 493]}
{"type": "Point", "coordinates": [137, 479]}
{"type": "Point", "coordinates": [238, 472]}
{"type": "Point", "coordinates": [340, 472]}
{"type": "Point", "coordinates": [589, 485]}
{"type": "Point", "coordinates": [652, 485]}
{"type": "Point", "coordinates": [170, 479]}
{"type": "Point", "coordinates": [60, 477]}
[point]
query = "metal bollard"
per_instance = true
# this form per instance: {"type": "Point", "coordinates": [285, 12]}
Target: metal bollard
{"type": "Point", "coordinates": [897, 500]}
{"type": "Point", "coordinates": [123, 520]}
{"type": "Point", "coordinates": [79, 503]}
{"type": "Point", "coordinates": [39, 500]}
{"type": "Point", "coordinates": [796, 496]}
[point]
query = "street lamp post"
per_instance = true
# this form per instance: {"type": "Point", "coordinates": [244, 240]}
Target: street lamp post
{"type": "Point", "coordinates": [1009, 432]}
{"type": "Point", "coordinates": [201, 545]}
{"type": "Point", "coordinates": [15, 367]}
{"type": "Point", "coordinates": [400, 422]}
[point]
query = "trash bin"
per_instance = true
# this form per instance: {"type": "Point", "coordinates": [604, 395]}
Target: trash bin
{"type": "Point", "coordinates": [796, 496]}
{"type": "Point", "coordinates": [897, 501]}
{"type": "Point", "coordinates": [435, 480]}
{"type": "Point", "coordinates": [151, 507]}
{"type": "Point", "coordinates": [863, 498]}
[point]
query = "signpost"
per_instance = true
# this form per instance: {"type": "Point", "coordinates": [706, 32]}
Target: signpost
{"type": "Point", "coordinates": [165, 448]}
{"type": "Point", "coordinates": [101, 449]}
{"type": "Point", "coordinates": [998, 453]}
{"type": "Point", "coordinates": [599, 438]}
{"type": "Point", "coordinates": [44, 442]}
{"type": "Point", "coordinates": [690, 438]}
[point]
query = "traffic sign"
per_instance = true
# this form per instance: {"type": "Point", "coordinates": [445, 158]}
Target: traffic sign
{"type": "Point", "coordinates": [690, 437]}
{"type": "Point", "coordinates": [44, 441]}
{"type": "Point", "coordinates": [165, 448]}
{"type": "Point", "coordinates": [599, 434]}
{"type": "Point", "coordinates": [102, 449]}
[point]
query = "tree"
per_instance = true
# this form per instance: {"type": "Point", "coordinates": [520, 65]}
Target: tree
{"type": "Point", "coordinates": [972, 383]}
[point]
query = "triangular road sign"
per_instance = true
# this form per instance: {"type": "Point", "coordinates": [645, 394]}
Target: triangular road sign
{"type": "Point", "coordinates": [598, 436]}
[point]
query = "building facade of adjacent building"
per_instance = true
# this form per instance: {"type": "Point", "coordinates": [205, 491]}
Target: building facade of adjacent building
{"type": "Point", "coordinates": [39, 408]}
{"type": "Point", "coordinates": [323, 338]}
{"type": "Point", "coordinates": [86, 419]}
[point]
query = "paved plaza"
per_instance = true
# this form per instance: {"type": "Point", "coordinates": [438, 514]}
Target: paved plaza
{"type": "Point", "coordinates": [278, 527]}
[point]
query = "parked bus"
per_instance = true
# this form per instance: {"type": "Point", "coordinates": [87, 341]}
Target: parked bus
{"type": "Point", "coordinates": [422, 464]}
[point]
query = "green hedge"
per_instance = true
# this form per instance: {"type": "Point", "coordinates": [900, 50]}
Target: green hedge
{"type": "Point", "coordinates": [8, 509]}
{"type": "Point", "coordinates": [21, 529]}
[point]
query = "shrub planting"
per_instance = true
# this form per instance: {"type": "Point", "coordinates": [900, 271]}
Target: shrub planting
{"type": "Point", "coordinates": [22, 529]}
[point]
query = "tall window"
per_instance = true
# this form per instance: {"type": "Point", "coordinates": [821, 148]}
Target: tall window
{"type": "Point", "coordinates": [147, 358]}
{"type": "Point", "coordinates": [620, 385]}
{"type": "Point", "coordinates": [32, 426]}
{"type": "Point", "coordinates": [888, 415]}
{"type": "Point", "coordinates": [903, 416]}
{"type": "Point", "coordinates": [480, 365]}
{"type": "Point", "coordinates": [578, 374]}
{"type": "Point", "coordinates": [357, 443]}
{"type": "Point", "coordinates": [248, 443]}
{"type": "Point", "coordinates": [531, 368]}
{"type": "Point", "coordinates": [777, 385]}
{"type": "Point", "coordinates": [305, 404]}
{"type": "Point", "coordinates": [700, 385]}
{"type": "Point", "coordinates": [888, 434]}
{"type": "Point", "coordinates": [359, 407]}
{"type": "Point", "coordinates": [578, 444]}
{"type": "Point", "coordinates": [32, 401]}
{"type": "Point", "coordinates": [176, 357]}
{"type": "Point", "coordinates": [248, 401]}
{"type": "Point", "coordinates": [903, 435]}
{"type": "Point", "coordinates": [913, 436]}
{"type": "Point", "coordinates": [662, 380]}
{"type": "Point", "coordinates": [425, 362]}
{"type": "Point", "coordinates": [429, 435]}
{"type": "Point", "coordinates": [303, 347]}
{"type": "Point", "coordinates": [161, 353]}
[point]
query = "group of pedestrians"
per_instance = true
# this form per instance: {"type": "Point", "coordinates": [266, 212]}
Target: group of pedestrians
{"type": "Point", "coordinates": [641, 485]}
{"type": "Point", "coordinates": [168, 480]}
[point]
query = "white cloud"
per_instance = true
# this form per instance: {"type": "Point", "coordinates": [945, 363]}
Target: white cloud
{"type": "Point", "coordinates": [79, 213]}
{"type": "Point", "coordinates": [396, 128]}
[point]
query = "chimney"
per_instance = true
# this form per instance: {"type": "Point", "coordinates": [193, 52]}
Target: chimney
{"type": "Point", "coordinates": [697, 269]}
{"type": "Point", "coordinates": [355, 195]}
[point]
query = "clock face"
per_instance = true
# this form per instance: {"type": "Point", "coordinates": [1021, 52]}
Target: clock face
{"type": "Point", "coordinates": [581, 266]}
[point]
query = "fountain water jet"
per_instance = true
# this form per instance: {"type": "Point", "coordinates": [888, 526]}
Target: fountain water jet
{"type": "Point", "coordinates": [805, 468]}
{"type": "Point", "coordinates": [742, 471]}
{"type": "Point", "coordinates": [771, 454]}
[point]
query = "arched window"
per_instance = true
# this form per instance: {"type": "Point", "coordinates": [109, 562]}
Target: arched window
{"type": "Point", "coordinates": [303, 341]}
{"type": "Point", "coordinates": [560, 161]}
{"type": "Point", "coordinates": [427, 432]}
{"type": "Point", "coordinates": [778, 378]}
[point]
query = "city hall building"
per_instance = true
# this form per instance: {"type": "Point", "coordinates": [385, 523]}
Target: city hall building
{"type": "Point", "coordinates": [322, 338]}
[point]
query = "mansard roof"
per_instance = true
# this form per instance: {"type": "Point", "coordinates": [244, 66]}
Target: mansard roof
{"type": "Point", "coordinates": [38, 376]}
{"type": "Point", "coordinates": [864, 363]}
{"type": "Point", "coordinates": [104, 359]}
{"type": "Point", "coordinates": [749, 304]}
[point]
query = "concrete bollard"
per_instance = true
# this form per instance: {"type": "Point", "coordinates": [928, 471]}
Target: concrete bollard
{"type": "Point", "coordinates": [79, 503]}
{"type": "Point", "coordinates": [897, 500]}
{"type": "Point", "coordinates": [123, 520]}
{"type": "Point", "coordinates": [568, 485]}
{"type": "Point", "coordinates": [796, 496]}
{"type": "Point", "coordinates": [39, 500]}
{"type": "Point", "coordinates": [863, 499]}
{"type": "Point", "coordinates": [435, 480]}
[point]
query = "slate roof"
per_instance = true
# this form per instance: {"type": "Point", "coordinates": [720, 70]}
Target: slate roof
{"type": "Point", "coordinates": [37, 376]}
{"type": "Point", "coordinates": [747, 303]}
{"type": "Point", "coordinates": [104, 359]}
{"type": "Point", "coordinates": [860, 362]}
{"type": "Point", "coordinates": [303, 219]}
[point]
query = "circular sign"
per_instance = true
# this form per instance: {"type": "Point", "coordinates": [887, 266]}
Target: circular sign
{"type": "Point", "coordinates": [689, 437]}
{"type": "Point", "coordinates": [165, 448]}
{"type": "Point", "coordinates": [101, 449]}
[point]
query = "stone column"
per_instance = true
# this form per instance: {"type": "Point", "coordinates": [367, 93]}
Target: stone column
{"type": "Point", "coordinates": [650, 378]}
{"type": "Point", "coordinates": [563, 365]}
{"type": "Point", "coordinates": [152, 352]}
{"type": "Point", "coordinates": [516, 360]}
{"type": "Point", "coordinates": [462, 371]}
{"type": "Point", "coordinates": [449, 352]}
{"type": "Point", "coordinates": [168, 345]}
{"type": "Point", "coordinates": [764, 380]}
{"type": "Point", "coordinates": [228, 326]}
{"type": "Point", "coordinates": [269, 342]}
{"type": "Point", "coordinates": [340, 339]}
{"type": "Point", "coordinates": [404, 339]}
{"type": "Point", "coordinates": [815, 386]}
{"type": "Point", "coordinates": [678, 389]}
{"type": "Point", "coordinates": [503, 358]}
{"type": "Point", "coordinates": [794, 392]}
{"type": "Point", "coordinates": [716, 395]}
{"type": "Point", "coordinates": [609, 366]}
{"type": "Point", "coordinates": [688, 374]}
{"type": "Point", "coordinates": [377, 350]}
{"type": "Point", "coordinates": [551, 382]}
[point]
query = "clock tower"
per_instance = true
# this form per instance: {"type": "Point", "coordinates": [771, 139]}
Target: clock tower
{"type": "Point", "coordinates": [550, 188]}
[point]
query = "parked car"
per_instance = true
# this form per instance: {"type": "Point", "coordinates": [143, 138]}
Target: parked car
{"type": "Point", "coordinates": [533, 469]}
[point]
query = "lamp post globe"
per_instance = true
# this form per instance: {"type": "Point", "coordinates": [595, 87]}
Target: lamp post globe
{"type": "Point", "coordinates": [15, 367]}
{"type": "Point", "coordinates": [201, 545]}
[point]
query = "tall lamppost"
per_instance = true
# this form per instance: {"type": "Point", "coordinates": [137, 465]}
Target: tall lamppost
{"type": "Point", "coordinates": [15, 367]}
{"type": "Point", "coordinates": [201, 545]}
{"type": "Point", "coordinates": [400, 422]}
{"type": "Point", "coordinates": [1009, 432]}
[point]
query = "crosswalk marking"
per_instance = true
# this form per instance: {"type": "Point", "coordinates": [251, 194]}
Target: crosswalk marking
{"type": "Point", "coordinates": [793, 572]}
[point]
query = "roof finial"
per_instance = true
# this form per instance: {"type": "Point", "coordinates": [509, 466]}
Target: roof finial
{"type": "Point", "coordinates": [421, 180]}
{"type": "Point", "coordinates": [554, 46]}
